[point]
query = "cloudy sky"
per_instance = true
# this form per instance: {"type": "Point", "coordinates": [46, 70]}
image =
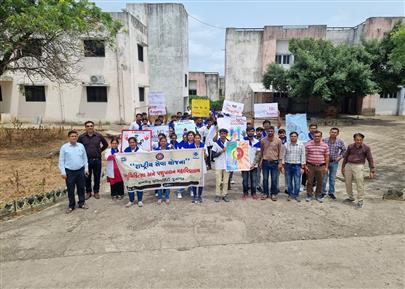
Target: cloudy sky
{"type": "Point", "coordinates": [208, 20]}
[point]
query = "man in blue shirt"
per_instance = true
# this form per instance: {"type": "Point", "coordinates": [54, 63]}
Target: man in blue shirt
{"type": "Point", "coordinates": [73, 167]}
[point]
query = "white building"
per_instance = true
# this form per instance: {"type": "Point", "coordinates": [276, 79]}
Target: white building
{"type": "Point", "coordinates": [249, 51]}
{"type": "Point", "coordinates": [113, 82]}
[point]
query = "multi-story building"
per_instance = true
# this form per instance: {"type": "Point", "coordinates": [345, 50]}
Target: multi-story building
{"type": "Point", "coordinates": [150, 54]}
{"type": "Point", "coordinates": [248, 52]}
{"type": "Point", "coordinates": [205, 84]}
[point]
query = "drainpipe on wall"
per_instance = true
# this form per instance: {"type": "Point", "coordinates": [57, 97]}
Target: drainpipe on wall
{"type": "Point", "coordinates": [62, 108]}
{"type": "Point", "coordinates": [120, 107]}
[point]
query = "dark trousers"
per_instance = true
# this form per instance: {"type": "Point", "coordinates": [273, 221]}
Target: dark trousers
{"type": "Point", "coordinates": [94, 169]}
{"type": "Point", "coordinates": [75, 179]}
{"type": "Point", "coordinates": [209, 157]}
{"type": "Point", "coordinates": [117, 189]}
{"type": "Point", "coordinates": [249, 180]}
{"type": "Point", "coordinates": [270, 167]}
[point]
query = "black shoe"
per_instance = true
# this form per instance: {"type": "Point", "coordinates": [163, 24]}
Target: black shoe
{"type": "Point", "coordinates": [226, 199]}
{"type": "Point", "coordinates": [349, 200]}
{"type": "Point", "coordinates": [286, 192]}
{"type": "Point", "coordinates": [259, 189]}
{"type": "Point", "coordinates": [332, 196]}
{"type": "Point", "coordinates": [322, 195]}
{"type": "Point", "coordinates": [217, 199]}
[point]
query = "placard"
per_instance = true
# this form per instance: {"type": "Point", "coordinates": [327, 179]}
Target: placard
{"type": "Point", "coordinates": [156, 130]}
{"type": "Point", "coordinates": [237, 156]}
{"type": "Point", "coordinates": [265, 110]}
{"type": "Point", "coordinates": [144, 138]}
{"type": "Point", "coordinates": [156, 170]}
{"type": "Point", "coordinates": [200, 107]}
{"type": "Point", "coordinates": [157, 98]}
{"type": "Point", "coordinates": [236, 126]}
{"type": "Point", "coordinates": [184, 126]}
{"type": "Point", "coordinates": [157, 110]}
{"type": "Point", "coordinates": [232, 108]}
{"type": "Point", "coordinates": [297, 123]}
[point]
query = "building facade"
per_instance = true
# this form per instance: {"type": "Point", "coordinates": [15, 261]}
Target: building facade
{"type": "Point", "coordinates": [206, 84]}
{"type": "Point", "coordinates": [167, 50]}
{"type": "Point", "coordinates": [248, 52]}
{"type": "Point", "coordinates": [113, 82]}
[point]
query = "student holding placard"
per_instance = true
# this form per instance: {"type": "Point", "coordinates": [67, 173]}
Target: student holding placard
{"type": "Point", "coordinates": [133, 148]}
{"type": "Point", "coordinates": [221, 175]}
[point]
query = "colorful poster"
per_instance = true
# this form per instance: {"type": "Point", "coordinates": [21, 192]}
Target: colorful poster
{"type": "Point", "coordinates": [232, 108]}
{"type": "Point", "coordinates": [157, 98]}
{"type": "Point", "coordinates": [265, 110]}
{"type": "Point", "coordinates": [184, 126]}
{"type": "Point", "coordinates": [157, 110]}
{"type": "Point", "coordinates": [236, 126]}
{"type": "Point", "coordinates": [144, 138]}
{"type": "Point", "coordinates": [237, 156]}
{"type": "Point", "coordinates": [156, 130]}
{"type": "Point", "coordinates": [200, 107]}
{"type": "Point", "coordinates": [297, 123]}
{"type": "Point", "coordinates": [161, 169]}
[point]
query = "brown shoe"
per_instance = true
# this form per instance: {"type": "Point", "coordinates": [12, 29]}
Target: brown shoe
{"type": "Point", "coordinates": [254, 196]}
{"type": "Point", "coordinates": [264, 197]}
{"type": "Point", "coordinates": [97, 195]}
{"type": "Point", "coordinates": [88, 196]}
{"type": "Point", "coordinates": [273, 198]}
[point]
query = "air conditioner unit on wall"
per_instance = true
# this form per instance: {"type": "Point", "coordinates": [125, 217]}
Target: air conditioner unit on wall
{"type": "Point", "coordinates": [97, 79]}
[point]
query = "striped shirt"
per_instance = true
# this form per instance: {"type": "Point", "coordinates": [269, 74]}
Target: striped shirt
{"type": "Point", "coordinates": [336, 148]}
{"type": "Point", "coordinates": [315, 153]}
{"type": "Point", "coordinates": [294, 154]}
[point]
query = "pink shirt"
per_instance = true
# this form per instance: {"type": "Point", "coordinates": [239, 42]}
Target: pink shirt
{"type": "Point", "coordinates": [315, 153]}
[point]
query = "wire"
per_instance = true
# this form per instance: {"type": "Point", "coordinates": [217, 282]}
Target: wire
{"type": "Point", "coordinates": [205, 23]}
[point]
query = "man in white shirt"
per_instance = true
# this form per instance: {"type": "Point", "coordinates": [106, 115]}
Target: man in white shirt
{"type": "Point", "coordinates": [73, 167]}
{"type": "Point", "coordinates": [137, 124]}
{"type": "Point", "coordinates": [250, 177]}
{"type": "Point", "coordinates": [221, 175]}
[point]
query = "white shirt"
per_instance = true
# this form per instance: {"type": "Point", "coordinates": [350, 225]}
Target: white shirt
{"type": "Point", "coordinates": [72, 157]}
{"type": "Point", "coordinates": [134, 125]}
{"type": "Point", "coordinates": [220, 162]}
{"type": "Point", "coordinates": [209, 138]}
{"type": "Point", "coordinates": [254, 146]}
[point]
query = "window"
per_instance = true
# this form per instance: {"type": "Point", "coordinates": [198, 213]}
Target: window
{"type": "Point", "coordinates": [33, 48]}
{"type": "Point", "coordinates": [94, 48]}
{"type": "Point", "coordinates": [34, 93]}
{"type": "Point", "coordinates": [388, 95]}
{"type": "Point", "coordinates": [96, 93]}
{"type": "Point", "coordinates": [185, 80]}
{"type": "Point", "coordinates": [192, 92]}
{"type": "Point", "coordinates": [283, 58]}
{"type": "Point", "coordinates": [286, 59]}
{"type": "Point", "coordinates": [141, 94]}
{"type": "Point", "coordinates": [140, 52]}
{"type": "Point", "coordinates": [1, 95]}
{"type": "Point", "coordinates": [220, 92]}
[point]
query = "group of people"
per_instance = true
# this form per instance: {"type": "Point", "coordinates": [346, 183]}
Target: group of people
{"type": "Point", "coordinates": [313, 164]}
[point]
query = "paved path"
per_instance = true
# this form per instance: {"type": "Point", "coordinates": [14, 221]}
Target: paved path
{"type": "Point", "coordinates": [243, 244]}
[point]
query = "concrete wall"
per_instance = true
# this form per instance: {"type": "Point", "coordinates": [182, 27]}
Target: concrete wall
{"type": "Point", "coordinates": [168, 50]}
{"type": "Point", "coordinates": [199, 79]}
{"type": "Point", "coordinates": [243, 63]}
{"type": "Point", "coordinates": [221, 86]}
{"type": "Point", "coordinates": [212, 84]}
{"type": "Point", "coordinates": [122, 74]}
{"type": "Point", "coordinates": [273, 33]}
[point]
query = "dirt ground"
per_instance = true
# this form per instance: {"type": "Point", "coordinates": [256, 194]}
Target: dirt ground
{"type": "Point", "coordinates": [241, 244]}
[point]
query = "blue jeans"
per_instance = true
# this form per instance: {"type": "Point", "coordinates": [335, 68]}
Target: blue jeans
{"type": "Point", "coordinates": [249, 180]}
{"type": "Point", "coordinates": [131, 196]}
{"type": "Point", "coordinates": [166, 192]}
{"type": "Point", "coordinates": [293, 178]}
{"type": "Point", "coordinates": [331, 175]}
{"type": "Point", "coordinates": [197, 192]}
{"type": "Point", "coordinates": [272, 168]}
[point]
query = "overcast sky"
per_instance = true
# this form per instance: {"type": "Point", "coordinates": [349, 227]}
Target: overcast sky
{"type": "Point", "coordinates": [206, 43]}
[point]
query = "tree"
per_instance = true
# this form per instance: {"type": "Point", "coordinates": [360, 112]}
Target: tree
{"type": "Point", "coordinates": [42, 37]}
{"type": "Point", "coordinates": [387, 59]}
{"type": "Point", "coordinates": [397, 57]}
{"type": "Point", "coordinates": [323, 70]}
{"type": "Point", "coordinates": [276, 77]}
